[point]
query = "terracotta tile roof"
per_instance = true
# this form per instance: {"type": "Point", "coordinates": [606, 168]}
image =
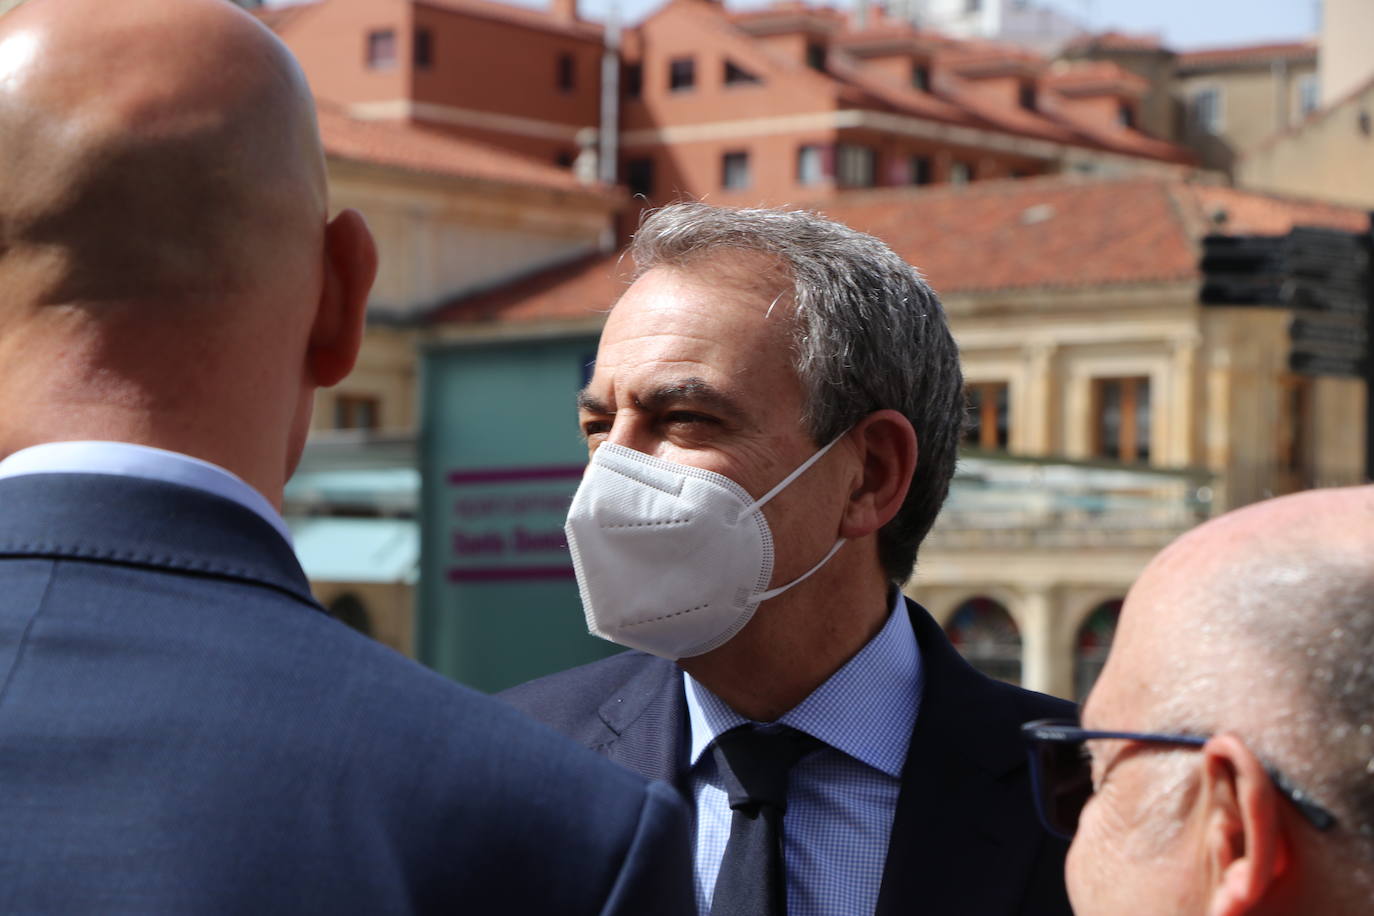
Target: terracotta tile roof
{"type": "Point", "coordinates": [1238, 212]}
{"type": "Point", "coordinates": [531, 17]}
{"type": "Point", "coordinates": [1087, 76]}
{"type": "Point", "coordinates": [409, 146]}
{"type": "Point", "coordinates": [1027, 234]}
{"type": "Point", "coordinates": [978, 58]}
{"type": "Point", "coordinates": [1115, 41]}
{"type": "Point", "coordinates": [1206, 58]}
{"type": "Point", "coordinates": [900, 96]}
{"type": "Point", "coordinates": [580, 290]}
{"type": "Point", "coordinates": [1067, 232]}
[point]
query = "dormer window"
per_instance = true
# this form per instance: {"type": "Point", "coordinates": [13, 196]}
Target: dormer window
{"type": "Point", "coordinates": [815, 56]}
{"type": "Point", "coordinates": [1125, 115]}
{"type": "Point", "coordinates": [1026, 96]}
{"type": "Point", "coordinates": [682, 74]}
{"type": "Point", "coordinates": [920, 77]}
{"type": "Point", "coordinates": [736, 75]}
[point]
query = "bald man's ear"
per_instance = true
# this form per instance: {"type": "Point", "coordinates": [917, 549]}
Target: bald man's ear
{"type": "Point", "coordinates": [887, 450]}
{"type": "Point", "coordinates": [350, 266]}
{"type": "Point", "coordinates": [1243, 838]}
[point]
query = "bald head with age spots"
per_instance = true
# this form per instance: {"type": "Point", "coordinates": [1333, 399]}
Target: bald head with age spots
{"type": "Point", "coordinates": [1258, 629]}
{"type": "Point", "coordinates": [172, 276]}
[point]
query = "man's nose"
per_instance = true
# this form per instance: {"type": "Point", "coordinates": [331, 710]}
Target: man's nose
{"type": "Point", "coordinates": [632, 430]}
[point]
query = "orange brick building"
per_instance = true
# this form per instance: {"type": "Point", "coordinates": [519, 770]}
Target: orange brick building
{"type": "Point", "coordinates": [772, 105]}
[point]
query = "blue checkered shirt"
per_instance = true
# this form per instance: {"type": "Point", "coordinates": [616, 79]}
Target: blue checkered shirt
{"type": "Point", "coordinates": [840, 800]}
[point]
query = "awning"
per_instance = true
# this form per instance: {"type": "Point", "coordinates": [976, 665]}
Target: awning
{"type": "Point", "coordinates": [385, 550]}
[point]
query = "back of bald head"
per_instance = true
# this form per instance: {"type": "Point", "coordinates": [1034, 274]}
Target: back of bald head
{"type": "Point", "coordinates": [1268, 616]}
{"type": "Point", "coordinates": [152, 152]}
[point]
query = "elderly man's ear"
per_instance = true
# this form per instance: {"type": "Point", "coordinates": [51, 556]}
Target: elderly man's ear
{"type": "Point", "coordinates": [1243, 830]}
{"type": "Point", "coordinates": [350, 266]}
{"type": "Point", "coordinates": [886, 445]}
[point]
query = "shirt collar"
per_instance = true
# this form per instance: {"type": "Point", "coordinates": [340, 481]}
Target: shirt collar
{"type": "Point", "coordinates": [867, 709]}
{"type": "Point", "coordinates": [130, 460]}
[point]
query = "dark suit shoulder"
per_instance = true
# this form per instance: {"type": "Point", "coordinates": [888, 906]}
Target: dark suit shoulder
{"type": "Point", "coordinates": [570, 699]}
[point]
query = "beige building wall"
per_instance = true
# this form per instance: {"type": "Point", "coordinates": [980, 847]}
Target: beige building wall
{"type": "Point", "coordinates": [389, 608]}
{"type": "Point", "coordinates": [1346, 35]}
{"type": "Point", "coordinates": [1255, 102]}
{"type": "Point", "coordinates": [1330, 157]}
{"type": "Point", "coordinates": [1217, 379]}
{"type": "Point", "coordinates": [386, 374]}
{"type": "Point", "coordinates": [439, 237]}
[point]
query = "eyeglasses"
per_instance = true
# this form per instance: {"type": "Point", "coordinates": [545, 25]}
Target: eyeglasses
{"type": "Point", "coordinates": [1061, 773]}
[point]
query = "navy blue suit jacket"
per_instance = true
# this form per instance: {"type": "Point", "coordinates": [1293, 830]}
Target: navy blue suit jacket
{"type": "Point", "coordinates": [965, 837]}
{"type": "Point", "coordinates": [184, 730]}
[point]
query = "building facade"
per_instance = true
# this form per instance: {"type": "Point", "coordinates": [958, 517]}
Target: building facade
{"type": "Point", "coordinates": [769, 105]}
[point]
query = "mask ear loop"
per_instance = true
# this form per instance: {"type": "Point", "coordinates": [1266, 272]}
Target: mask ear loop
{"type": "Point", "coordinates": [834, 549]}
{"type": "Point", "coordinates": [782, 485]}
{"type": "Point", "coordinates": [775, 592]}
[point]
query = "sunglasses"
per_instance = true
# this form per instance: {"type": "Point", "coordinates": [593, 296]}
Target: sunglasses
{"type": "Point", "coordinates": [1061, 773]}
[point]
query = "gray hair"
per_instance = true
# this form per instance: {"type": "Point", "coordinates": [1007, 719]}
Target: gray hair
{"type": "Point", "coordinates": [870, 334]}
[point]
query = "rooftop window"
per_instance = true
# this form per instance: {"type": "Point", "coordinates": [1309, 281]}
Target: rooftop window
{"type": "Point", "coordinates": [381, 49]}
{"type": "Point", "coordinates": [682, 74]}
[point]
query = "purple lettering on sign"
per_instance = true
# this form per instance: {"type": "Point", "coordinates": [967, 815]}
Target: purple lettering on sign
{"type": "Point", "coordinates": [510, 573]}
{"type": "Point", "coordinates": [527, 541]}
{"type": "Point", "coordinates": [514, 475]}
{"type": "Point", "coordinates": [484, 544]}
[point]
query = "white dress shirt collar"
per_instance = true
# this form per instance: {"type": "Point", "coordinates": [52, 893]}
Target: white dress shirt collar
{"type": "Point", "coordinates": [867, 709]}
{"type": "Point", "coordinates": [129, 460]}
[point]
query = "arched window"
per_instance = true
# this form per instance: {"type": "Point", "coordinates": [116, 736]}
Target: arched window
{"type": "Point", "coordinates": [984, 633]}
{"type": "Point", "coordinates": [350, 609]}
{"type": "Point", "coordinates": [1091, 647]}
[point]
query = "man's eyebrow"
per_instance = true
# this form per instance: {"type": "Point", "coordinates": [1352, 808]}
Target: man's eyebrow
{"type": "Point", "coordinates": [689, 391]}
{"type": "Point", "coordinates": [683, 391]}
{"type": "Point", "coordinates": [590, 403]}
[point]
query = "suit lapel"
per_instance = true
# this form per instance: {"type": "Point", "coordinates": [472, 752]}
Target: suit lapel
{"type": "Point", "coordinates": [646, 721]}
{"type": "Point", "coordinates": [958, 842]}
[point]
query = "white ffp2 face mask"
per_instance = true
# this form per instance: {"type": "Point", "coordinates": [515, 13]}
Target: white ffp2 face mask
{"type": "Point", "coordinates": [671, 559]}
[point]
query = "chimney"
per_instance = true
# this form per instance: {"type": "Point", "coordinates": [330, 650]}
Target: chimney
{"type": "Point", "coordinates": [565, 10]}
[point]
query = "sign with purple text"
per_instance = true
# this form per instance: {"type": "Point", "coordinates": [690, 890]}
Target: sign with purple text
{"type": "Point", "coordinates": [501, 459]}
{"type": "Point", "coordinates": [506, 524]}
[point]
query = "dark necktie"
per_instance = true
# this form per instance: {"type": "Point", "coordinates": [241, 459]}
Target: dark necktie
{"type": "Point", "coordinates": [754, 764]}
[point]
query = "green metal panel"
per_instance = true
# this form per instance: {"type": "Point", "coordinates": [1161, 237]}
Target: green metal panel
{"type": "Point", "coordinates": [500, 460]}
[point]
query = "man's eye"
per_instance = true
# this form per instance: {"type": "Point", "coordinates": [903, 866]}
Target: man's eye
{"type": "Point", "coordinates": [687, 417]}
{"type": "Point", "coordinates": [596, 428]}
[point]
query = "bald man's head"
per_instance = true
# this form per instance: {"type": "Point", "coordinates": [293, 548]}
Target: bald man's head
{"type": "Point", "coordinates": [1259, 625]}
{"type": "Point", "coordinates": [171, 274]}
{"type": "Point", "coordinates": [150, 151]}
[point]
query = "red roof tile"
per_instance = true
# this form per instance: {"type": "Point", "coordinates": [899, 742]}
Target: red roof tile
{"type": "Point", "coordinates": [1087, 76]}
{"type": "Point", "coordinates": [1115, 41]}
{"type": "Point", "coordinates": [1050, 233]}
{"type": "Point", "coordinates": [1068, 232]}
{"type": "Point", "coordinates": [1246, 54]}
{"type": "Point", "coordinates": [573, 291]}
{"type": "Point", "coordinates": [531, 17]}
{"type": "Point", "coordinates": [409, 146]}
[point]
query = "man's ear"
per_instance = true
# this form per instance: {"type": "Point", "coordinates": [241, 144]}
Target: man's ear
{"type": "Point", "coordinates": [1243, 838]}
{"type": "Point", "coordinates": [886, 445]}
{"type": "Point", "coordinates": [350, 266]}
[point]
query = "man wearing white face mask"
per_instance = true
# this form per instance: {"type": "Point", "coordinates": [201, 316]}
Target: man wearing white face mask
{"type": "Point", "coordinates": [773, 420]}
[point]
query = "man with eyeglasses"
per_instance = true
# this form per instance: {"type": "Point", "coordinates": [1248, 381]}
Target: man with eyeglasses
{"type": "Point", "coordinates": [1225, 761]}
